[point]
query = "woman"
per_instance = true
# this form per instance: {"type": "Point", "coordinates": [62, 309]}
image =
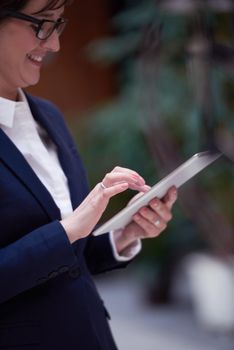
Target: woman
{"type": "Point", "coordinates": [47, 296]}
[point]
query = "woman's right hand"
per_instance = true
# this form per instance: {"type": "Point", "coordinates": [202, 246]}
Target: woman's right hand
{"type": "Point", "coordinates": [84, 218]}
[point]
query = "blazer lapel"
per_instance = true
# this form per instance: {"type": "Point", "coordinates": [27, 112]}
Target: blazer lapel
{"type": "Point", "coordinates": [78, 189]}
{"type": "Point", "coordinates": [19, 166]}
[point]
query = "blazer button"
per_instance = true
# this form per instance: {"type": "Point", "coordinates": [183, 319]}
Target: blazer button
{"type": "Point", "coordinates": [75, 272]}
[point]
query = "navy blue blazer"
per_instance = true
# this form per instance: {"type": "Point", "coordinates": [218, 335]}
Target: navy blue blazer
{"type": "Point", "coordinates": [48, 300]}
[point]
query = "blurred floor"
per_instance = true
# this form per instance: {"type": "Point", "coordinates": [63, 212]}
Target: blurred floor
{"type": "Point", "coordinates": [139, 326]}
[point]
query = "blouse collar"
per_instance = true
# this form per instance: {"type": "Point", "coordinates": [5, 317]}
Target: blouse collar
{"type": "Point", "coordinates": [8, 108]}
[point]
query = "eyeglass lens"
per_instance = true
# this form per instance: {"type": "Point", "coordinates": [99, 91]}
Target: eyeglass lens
{"type": "Point", "coordinates": [47, 28]}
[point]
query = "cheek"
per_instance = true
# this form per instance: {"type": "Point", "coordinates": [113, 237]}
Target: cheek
{"type": "Point", "coordinates": [13, 65]}
{"type": "Point", "coordinates": [17, 41]}
{"type": "Point", "coordinates": [7, 60]}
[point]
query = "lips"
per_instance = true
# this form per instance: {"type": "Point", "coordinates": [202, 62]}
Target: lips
{"type": "Point", "coordinates": [36, 59]}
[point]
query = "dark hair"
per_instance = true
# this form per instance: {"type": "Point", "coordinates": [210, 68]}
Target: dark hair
{"type": "Point", "coordinates": [18, 5]}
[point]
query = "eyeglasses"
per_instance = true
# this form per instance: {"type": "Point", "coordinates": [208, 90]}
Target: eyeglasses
{"type": "Point", "coordinates": [43, 28]}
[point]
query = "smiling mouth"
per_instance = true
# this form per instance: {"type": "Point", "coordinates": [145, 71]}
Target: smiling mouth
{"type": "Point", "coordinates": [35, 59]}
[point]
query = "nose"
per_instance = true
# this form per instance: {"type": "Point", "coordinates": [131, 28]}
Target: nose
{"type": "Point", "coordinates": [51, 44]}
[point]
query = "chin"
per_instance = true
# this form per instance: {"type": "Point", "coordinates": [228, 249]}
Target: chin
{"type": "Point", "coordinates": [30, 82]}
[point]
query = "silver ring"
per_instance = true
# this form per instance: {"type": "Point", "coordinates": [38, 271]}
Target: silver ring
{"type": "Point", "coordinates": [103, 186]}
{"type": "Point", "coordinates": [157, 223]}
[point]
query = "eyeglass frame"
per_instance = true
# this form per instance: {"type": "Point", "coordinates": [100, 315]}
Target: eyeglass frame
{"type": "Point", "coordinates": [39, 22]}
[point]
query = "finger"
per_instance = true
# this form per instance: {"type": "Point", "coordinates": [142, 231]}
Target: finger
{"type": "Point", "coordinates": [143, 189]}
{"type": "Point", "coordinates": [129, 171]}
{"type": "Point", "coordinates": [153, 216]}
{"type": "Point", "coordinates": [133, 229]}
{"type": "Point", "coordinates": [138, 195]}
{"type": "Point", "coordinates": [113, 190]}
{"type": "Point", "coordinates": [119, 177]}
{"type": "Point", "coordinates": [135, 183]}
{"type": "Point", "coordinates": [170, 198]}
{"type": "Point", "coordinates": [161, 209]}
{"type": "Point", "coordinates": [149, 229]}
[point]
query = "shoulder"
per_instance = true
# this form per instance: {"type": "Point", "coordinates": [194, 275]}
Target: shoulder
{"type": "Point", "coordinates": [43, 104]}
{"type": "Point", "coordinates": [47, 113]}
{"type": "Point", "coordinates": [45, 109]}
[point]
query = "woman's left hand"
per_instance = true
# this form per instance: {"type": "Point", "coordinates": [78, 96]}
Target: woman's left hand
{"type": "Point", "coordinates": [148, 222]}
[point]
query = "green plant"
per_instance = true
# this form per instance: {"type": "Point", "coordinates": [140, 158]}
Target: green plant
{"type": "Point", "coordinates": [176, 92]}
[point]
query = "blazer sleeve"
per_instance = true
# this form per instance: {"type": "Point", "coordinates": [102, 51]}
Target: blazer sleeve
{"type": "Point", "coordinates": [35, 258]}
{"type": "Point", "coordinates": [99, 255]}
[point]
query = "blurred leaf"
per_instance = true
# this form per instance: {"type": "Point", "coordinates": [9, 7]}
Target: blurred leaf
{"type": "Point", "coordinates": [115, 133]}
{"type": "Point", "coordinates": [113, 50]}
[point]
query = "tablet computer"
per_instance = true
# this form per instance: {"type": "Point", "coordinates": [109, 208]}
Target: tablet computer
{"type": "Point", "coordinates": [176, 178]}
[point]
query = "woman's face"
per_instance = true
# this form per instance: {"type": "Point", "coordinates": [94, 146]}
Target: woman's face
{"type": "Point", "coordinates": [21, 52]}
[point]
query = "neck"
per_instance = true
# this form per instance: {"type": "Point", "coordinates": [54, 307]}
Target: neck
{"type": "Point", "coordinates": [9, 94]}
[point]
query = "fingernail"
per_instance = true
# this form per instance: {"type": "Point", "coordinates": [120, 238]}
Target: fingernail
{"type": "Point", "coordinates": [144, 188]}
{"type": "Point", "coordinates": [143, 210]}
{"type": "Point", "coordinates": [155, 202]}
